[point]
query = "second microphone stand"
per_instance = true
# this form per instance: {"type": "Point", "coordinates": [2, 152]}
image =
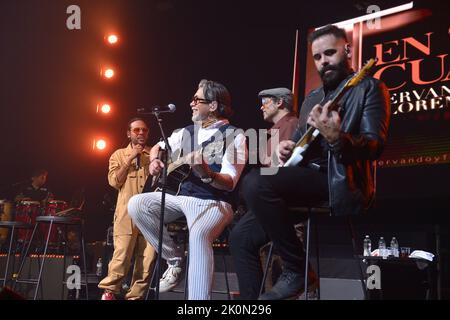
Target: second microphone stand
{"type": "Point", "coordinates": [165, 156]}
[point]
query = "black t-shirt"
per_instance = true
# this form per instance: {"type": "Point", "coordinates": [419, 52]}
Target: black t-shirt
{"type": "Point", "coordinates": [34, 194]}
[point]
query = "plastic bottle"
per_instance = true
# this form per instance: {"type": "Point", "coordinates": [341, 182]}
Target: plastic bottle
{"type": "Point", "coordinates": [394, 247]}
{"type": "Point", "coordinates": [382, 248]}
{"type": "Point", "coordinates": [367, 247]}
{"type": "Point", "coordinates": [99, 270]}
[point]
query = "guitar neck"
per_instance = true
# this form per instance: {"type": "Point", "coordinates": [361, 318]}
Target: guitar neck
{"type": "Point", "coordinates": [312, 132]}
{"type": "Point", "coordinates": [338, 96]}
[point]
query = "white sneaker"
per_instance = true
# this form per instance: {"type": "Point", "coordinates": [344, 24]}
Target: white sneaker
{"type": "Point", "coordinates": [170, 279]}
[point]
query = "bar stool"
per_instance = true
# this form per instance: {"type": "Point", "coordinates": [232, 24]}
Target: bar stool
{"type": "Point", "coordinates": [53, 221]}
{"type": "Point", "coordinates": [12, 225]}
{"type": "Point", "coordinates": [311, 213]}
{"type": "Point", "coordinates": [179, 232]}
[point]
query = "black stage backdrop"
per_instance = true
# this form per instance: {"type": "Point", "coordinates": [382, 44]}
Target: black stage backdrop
{"type": "Point", "coordinates": [50, 82]}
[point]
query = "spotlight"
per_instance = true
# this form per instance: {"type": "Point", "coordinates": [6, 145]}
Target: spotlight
{"type": "Point", "coordinates": [99, 144]}
{"type": "Point", "coordinates": [104, 108]}
{"type": "Point", "coordinates": [108, 73]}
{"type": "Point", "coordinates": [112, 39]}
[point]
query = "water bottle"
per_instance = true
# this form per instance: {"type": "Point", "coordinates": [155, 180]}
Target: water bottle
{"type": "Point", "coordinates": [394, 247]}
{"type": "Point", "coordinates": [367, 247]}
{"type": "Point", "coordinates": [99, 270]}
{"type": "Point", "coordinates": [382, 248]}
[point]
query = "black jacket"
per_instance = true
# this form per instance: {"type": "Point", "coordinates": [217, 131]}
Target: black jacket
{"type": "Point", "coordinates": [365, 116]}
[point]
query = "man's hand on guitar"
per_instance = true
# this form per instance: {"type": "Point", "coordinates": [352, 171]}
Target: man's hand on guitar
{"type": "Point", "coordinates": [155, 167]}
{"type": "Point", "coordinates": [328, 123]}
{"type": "Point", "coordinates": [198, 164]}
{"type": "Point", "coordinates": [284, 150]}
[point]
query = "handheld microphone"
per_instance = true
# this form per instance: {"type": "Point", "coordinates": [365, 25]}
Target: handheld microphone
{"type": "Point", "coordinates": [138, 161]}
{"type": "Point", "coordinates": [158, 109]}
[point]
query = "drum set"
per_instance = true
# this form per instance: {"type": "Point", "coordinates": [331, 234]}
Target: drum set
{"type": "Point", "coordinates": [26, 211]}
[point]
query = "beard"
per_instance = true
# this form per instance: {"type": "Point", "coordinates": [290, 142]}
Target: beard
{"type": "Point", "coordinates": [338, 73]}
{"type": "Point", "coordinates": [198, 118]}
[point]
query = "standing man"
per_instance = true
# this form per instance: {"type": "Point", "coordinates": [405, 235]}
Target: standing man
{"type": "Point", "coordinates": [128, 171]}
{"type": "Point", "coordinates": [338, 167]}
{"type": "Point", "coordinates": [205, 197]}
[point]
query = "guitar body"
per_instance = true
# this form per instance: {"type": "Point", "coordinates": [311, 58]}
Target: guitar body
{"type": "Point", "coordinates": [298, 154]}
{"type": "Point", "coordinates": [173, 181]}
{"type": "Point", "coordinates": [296, 157]}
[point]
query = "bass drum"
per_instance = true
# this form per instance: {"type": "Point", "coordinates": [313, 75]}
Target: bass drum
{"type": "Point", "coordinates": [6, 214]}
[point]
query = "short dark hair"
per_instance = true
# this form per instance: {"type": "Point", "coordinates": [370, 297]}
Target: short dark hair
{"type": "Point", "coordinates": [38, 172]}
{"type": "Point", "coordinates": [287, 101]}
{"type": "Point", "coordinates": [329, 29]}
{"type": "Point", "coordinates": [215, 91]}
{"type": "Point", "coordinates": [135, 119]}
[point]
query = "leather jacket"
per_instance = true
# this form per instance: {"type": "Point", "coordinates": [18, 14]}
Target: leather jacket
{"type": "Point", "coordinates": [365, 116]}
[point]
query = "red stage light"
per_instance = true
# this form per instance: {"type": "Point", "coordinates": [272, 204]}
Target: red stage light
{"type": "Point", "coordinates": [99, 144]}
{"type": "Point", "coordinates": [104, 108]}
{"type": "Point", "coordinates": [108, 73]}
{"type": "Point", "coordinates": [112, 39]}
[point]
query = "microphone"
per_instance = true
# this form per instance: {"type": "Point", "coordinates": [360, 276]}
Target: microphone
{"type": "Point", "coordinates": [138, 161]}
{"type": "Point", "coordinates": [158, 109]}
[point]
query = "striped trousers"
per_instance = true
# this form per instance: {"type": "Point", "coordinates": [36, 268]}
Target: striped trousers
{"type": "Point", "coordinates": [206, 219]}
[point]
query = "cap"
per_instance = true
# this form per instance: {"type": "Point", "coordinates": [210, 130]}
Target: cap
{"type": "Point", "coordinates": [276, 92]}
{"type": "Point", "coordinates": [279, 93]}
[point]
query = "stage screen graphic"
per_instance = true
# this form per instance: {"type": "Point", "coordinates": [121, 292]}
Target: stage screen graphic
{"type": "Point", "coordinates": [412, 48]}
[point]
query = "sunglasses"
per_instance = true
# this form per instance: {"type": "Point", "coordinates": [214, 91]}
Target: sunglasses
{"type": "Point", "coordinates": [196, 100]}
{"type": "Point", "coordinates": [137, 130]}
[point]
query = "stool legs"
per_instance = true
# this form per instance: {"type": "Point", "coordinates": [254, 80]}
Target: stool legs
{"type": "Point", "coordinates": [308, 222]}
{"type": "Point", "coordinates": [22, 263]}
{"type": "Point", "coordinates": [8, 256]}
{"type": "Point", "coordinates": [83, 252]}
{"type": "Point", "coordinates": [41, 264]}
{"type": "Point", "coordinates": [186, 276]}
{"type": "Point", "coordinates": [43, 259]}
{"type": "Point", "coordinates": [266, 269]}
{"type": "Point", "coordinates": [316, 231]}
{"type": "Point", "coordinates": [361, 272]}
{"type": "Point", "coordinates": [226, 275]}
{"type": "Point", "coordinates": [64, 240]}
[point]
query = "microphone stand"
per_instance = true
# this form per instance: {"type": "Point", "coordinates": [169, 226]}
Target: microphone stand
{"type": "Point", "coordinates": [165, 154]}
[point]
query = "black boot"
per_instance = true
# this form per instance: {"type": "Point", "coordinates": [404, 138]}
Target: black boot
{"type": "Point", "coordinates": [289, 285]}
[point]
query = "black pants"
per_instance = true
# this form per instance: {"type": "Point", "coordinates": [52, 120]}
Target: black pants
{"type": "Point", "coordinates": [268, 198]}
{"type": "Point", "coordinates": [246, 239]}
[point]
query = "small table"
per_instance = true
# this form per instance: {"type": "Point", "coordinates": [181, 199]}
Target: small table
{"type": "Point", "coordinates": [396, 271]}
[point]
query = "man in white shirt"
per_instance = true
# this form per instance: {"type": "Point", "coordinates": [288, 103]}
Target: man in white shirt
{"type": "Point", "coordinates": [205, 197]}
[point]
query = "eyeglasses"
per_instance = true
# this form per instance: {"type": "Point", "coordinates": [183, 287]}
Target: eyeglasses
{"type": "Point", "coordinates": [137, 130]}
{"type": "Point", "coordinates": [196, 100]}
{"type": "Point", "coordinates": [266, 101]}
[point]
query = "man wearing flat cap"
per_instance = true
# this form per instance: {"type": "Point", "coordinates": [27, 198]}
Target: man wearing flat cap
{"type": "Point", "coordinates": [338, 169]}
{"type": "Point", "coordinates": [248, 236]}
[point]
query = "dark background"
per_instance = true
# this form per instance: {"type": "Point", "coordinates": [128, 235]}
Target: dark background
{"type": "Point", "coordinates": [50, 82]}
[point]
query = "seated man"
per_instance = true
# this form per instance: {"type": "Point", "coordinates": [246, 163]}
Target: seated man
{"type": "Point", "coordinates": [247, 236]}
{"type": "Point", "coordinates": [339, 165]}
{"type": "Point", "coordinates": [36, 190]}
{"type": "Point", "coordinates": [204, 197]}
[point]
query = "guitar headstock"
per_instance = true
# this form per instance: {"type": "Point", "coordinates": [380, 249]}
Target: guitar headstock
{"type": "Point", "coordinates": [365, 70]}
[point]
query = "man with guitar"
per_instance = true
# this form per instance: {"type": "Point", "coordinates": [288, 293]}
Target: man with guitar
{"type": "Point", "coordinates": [342, 129]}
{"type": "Point", "coordinates": [247, 236]}
{"type": "Point", "coordinates": [128, 172]}
{"type": "Point", "coordinates": [205, 191]}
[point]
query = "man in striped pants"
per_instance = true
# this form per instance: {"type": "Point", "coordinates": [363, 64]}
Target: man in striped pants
{"type": "Point", "coordinates": [205, 197]}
